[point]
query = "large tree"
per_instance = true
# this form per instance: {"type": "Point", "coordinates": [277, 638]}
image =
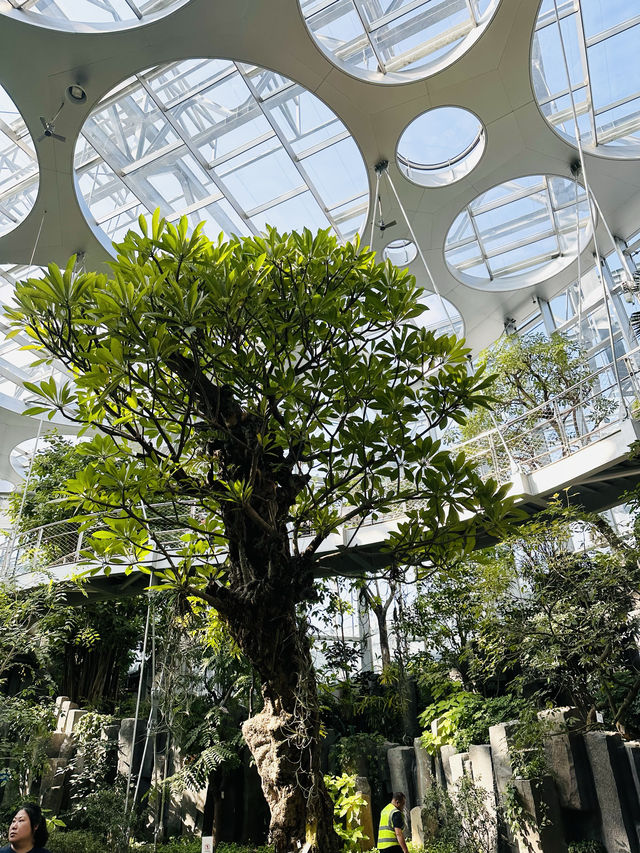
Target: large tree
{"type": "Point", "coordinates": [261, 393]}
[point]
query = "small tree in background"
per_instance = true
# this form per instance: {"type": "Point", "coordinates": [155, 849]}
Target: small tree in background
{"type": "Point", "coordinates": [531, 371]}
{"type": "Point", "coordinates": [279, 387]}
{"type": "Point", "coordinates": [50, 467]}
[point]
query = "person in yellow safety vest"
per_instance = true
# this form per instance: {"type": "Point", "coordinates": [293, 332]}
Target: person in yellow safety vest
{"type": "Point", "coordinates": [391, 831]}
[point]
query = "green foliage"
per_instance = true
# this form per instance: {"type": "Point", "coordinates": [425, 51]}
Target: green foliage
{"type": "Point", "coordinates": [368, 702]}
{"type": "Point", "coordinates": [568, 623]}
{"type": "Point", "coordinates": [78, 841]}
{"type": "Point", "coordinates": [526, 745]}
{"type": "Point", "coordinates": [95, 648]}
{"type": "Point", "coordinates": [93, 770]}
{"type": "Point", "coordinates": [54, 463]}
{"type": "Point", "coordinates": [241, 394]}
{"type": "Point", "coordinates": [210, 745]}
{"type": "Point", "coordinates": [81, 841]}
{"type": "Point", "coordinates": [362, 754]}
{"type": "Point", "coordinates": [515, 814]}
{"type": "Point", "coordinates": [458, 821]}
{"type": "Point", "coordinates": [101, 813]}
{"type": "Point", "coordinates": [448, 614]}
{"type": "Point", "coordinates": [586, 846]}
{"type": "Point", "coordinates": [464, 718]}
{"type": "Point", "coordinates": [302, 334]}
{"type": "Point", "coordinates": [530, 371]}
{"type": "Point", "coordinates": [347, 805]}
{"type": "Point", "coordinates": [29, 635]}
{"type": "Point", "coordinates": [25, 727]}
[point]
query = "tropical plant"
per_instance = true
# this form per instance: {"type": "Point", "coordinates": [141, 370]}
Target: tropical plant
{"type": "Point", "coordinates": [348, 804]}
{"type": "Point", "coordinates": [264, 392]}
{"type": "Point", "coordinates": [464, 718]}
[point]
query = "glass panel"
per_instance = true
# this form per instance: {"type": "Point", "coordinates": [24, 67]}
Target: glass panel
{"type": "Point", "coordinates": [600, 15]}
{"type": "Point", "coordinates": [98, 11]}
{"type": "Point", "coordinates": [613, 69]}
{"type": "Point", "coordinates": [182, 136]}
{"type": "Point", "coordinates": [400, 252]}
{"type": "Point", "coordinates": [394, 38]}
{"type": "Point", "coordinates": [18, 166]}
{"type": "Point", "coordinates": [520, 226]}
{"type": "Point", "coordinates": [295, 214]}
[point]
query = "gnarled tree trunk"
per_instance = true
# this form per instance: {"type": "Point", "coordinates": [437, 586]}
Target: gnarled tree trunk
{"type": "Point", "coordinates": [284, 737]}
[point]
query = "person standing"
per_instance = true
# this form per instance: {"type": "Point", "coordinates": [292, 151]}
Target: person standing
{"type": "Point", "coordinates": [391, 830]}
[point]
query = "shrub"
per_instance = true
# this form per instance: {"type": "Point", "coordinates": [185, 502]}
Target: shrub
{"type": "Point", "coordinates": [78, 841]}
{"type": "Point", "coordinates": [347, 805]}
{"type": "Point", "coordinates": [464, 718]}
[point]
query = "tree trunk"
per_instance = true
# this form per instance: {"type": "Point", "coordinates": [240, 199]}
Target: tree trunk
{"type": "Point", "coordinates": [385, 650]}
{"type": "Point", "coordinates": [284, 737]}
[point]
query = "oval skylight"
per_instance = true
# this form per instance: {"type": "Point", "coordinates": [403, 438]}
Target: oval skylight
{"type": "Point", "coordinates": [392, 41]}
{"type": "Point", "coordinates": [519, 233]}
{"type": "Point", "coordinates": [104, 14]}
{"type": "Point", "coordinates": [233, 145]}
{"type": "Point", "coordinates": [19, 175]}
{"type": "Point", "coordinates": [440, 146]}
{"type": "Point", "coordinates": [400, 252]}
{"type": "Point", "coordinates": [600, 42]}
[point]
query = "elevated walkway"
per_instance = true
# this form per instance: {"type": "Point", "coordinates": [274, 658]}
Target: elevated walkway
{"type": "Point", "coordinates": [576, 444]}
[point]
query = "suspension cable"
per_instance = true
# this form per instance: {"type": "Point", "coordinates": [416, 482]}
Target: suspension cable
{"type": "Point", "coordinates": [137, 711]}
{"type": "Point", "coordinates": [383, 167]}
{"type": "Point", "coordinates": [590, 199]}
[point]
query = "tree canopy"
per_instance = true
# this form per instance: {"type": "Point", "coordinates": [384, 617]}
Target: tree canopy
{"type": "Point", "coordinates": [260, 394]}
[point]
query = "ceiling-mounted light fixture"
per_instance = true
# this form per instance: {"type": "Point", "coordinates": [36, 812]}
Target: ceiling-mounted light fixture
{"type": "Point", "coordinates": [76, 94]}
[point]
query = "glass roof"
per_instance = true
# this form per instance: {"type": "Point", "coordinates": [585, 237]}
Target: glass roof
{"type": "Point", "coordinates": [91, 11]}
{"type": "Point", "coordinates": [393, 41]}
{"type": "Point", "coordinates": [18, 166]}
{"type": "Point", "coordinates": [600, 39]}
{"type": "Point", "coordinates": [233, 145]}
{"type": "Point", "coordinates": [440, 146]}
{"type": "Point", "coordinates": [519, 232]}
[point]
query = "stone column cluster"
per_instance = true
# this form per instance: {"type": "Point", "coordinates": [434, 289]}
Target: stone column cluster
{"type": "Point", "coordinates": [64, 756]}
{"type": "Point", "coordinates": [591, 792]}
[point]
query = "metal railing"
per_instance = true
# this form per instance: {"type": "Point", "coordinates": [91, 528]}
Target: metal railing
{"type": "Point", "coordinates": [554, 430]}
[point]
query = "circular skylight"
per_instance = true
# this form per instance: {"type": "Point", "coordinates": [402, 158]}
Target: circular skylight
{"type": "Point", "coordinates": [18, 167]}
{"type": "Point", "coordinates": [442, 316]}
{"type": "Point", "coordinates": [400, 252]}
{"type": "Point", "coordinates": [600, 42]}
{"type": "Point", "coordinates": [102, 13]}
{"type": "Point", "coordinates": [233, 145]}
{"type": "Point", "coordinates": [393, 41]}
{"type": "Point", "coordinates": [519, 233]}
{"type": "Point", "coordinates": [440, 146]}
